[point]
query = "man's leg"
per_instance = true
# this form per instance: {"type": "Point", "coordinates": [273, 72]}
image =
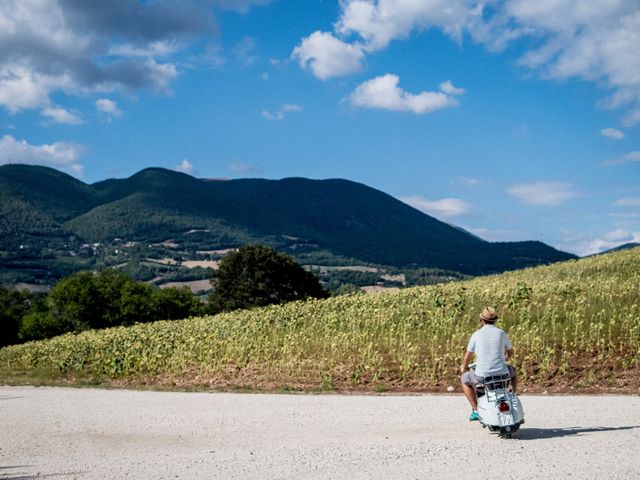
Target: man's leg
{"type": "Point", "coordinates": [469, 391]}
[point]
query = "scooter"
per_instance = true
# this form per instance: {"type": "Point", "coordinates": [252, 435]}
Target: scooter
{"type": "Point", "coordinates": [499, 408]}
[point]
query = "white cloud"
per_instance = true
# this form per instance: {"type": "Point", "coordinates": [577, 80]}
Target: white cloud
{"type": "Point", "coordinates": [445, 207]}
{"type": "Point", "coordinates": [21, 87]}
{"type": "Point", "coordinates": [379, 22]}
{"type": "Point", "coordinates": [447, 87]}
{"type": "Point", "coordinates": [62, 155]}
{"type": "Point", "coordinates": [628, 202]}
{"type": "Point", "coordinates": [592, 40]}
{"type": "Point", "coordinates": [327, 57]}
{"type": "Point", "coordinates": [613, 133]}
{"type": "Point", "coordinates": [80, 48]}
{"type": "Point", "coordinates": [619, 235]}
{"type": "Point", "coordinates": [543, 194]}
{"type": "Point", "coordinates": [161, 48]}
{"type": "Point", "coordinates": [272, 116]}
{"type": "Point", "coordinates": [630, 157]}
{"type": "Point", "coordinates": [465, 182]}
{"type": "Point", "coordinates": [185, 167]}
{"type": "Point", "coordinates": [158, 75]}
{"type": "Point", "coordinates": [291, 107]}
{"type": "Point", "coordinates": [60, 115]}
{"type": "Point", "coordinates": [244, 52]}
{"type": "Point", "coordinates": [610, 240]}
{"type": "Point", "coordinates": [211, 57]}
{"type": "Point", "coordinates": [108, 107]}
{"type": "Point", "coordinates": [280, 114]}
{"type": "Point", "coordinates": [383, 93]}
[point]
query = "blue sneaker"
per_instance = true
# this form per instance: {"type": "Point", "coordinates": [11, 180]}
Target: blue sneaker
{"type": "Point", "coordinates": [474, 416]}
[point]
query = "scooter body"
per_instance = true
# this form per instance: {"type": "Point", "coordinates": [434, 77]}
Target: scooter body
{"type": "Point", "coordinates": [499, 408]}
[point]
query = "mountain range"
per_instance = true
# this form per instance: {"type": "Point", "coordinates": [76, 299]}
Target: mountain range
{"type": "Point", "coordinates": [43, 210]}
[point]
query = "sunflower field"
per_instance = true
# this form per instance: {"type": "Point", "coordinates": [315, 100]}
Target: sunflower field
{"type": "Point", "coordinates": [573, 325]}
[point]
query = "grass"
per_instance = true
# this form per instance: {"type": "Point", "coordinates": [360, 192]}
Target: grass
{"type": "Point", "coordinates": [573, 323]}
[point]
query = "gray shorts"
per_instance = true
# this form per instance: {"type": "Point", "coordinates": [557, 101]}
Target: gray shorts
{"type": "Point", "coordinates": [471, 379]}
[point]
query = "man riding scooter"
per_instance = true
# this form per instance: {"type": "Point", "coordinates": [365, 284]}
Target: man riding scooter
{"type": "Point", "coordinates": [492, 348]}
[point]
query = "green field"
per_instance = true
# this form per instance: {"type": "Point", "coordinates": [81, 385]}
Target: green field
{"type": "Point", "coordinates": [574, 325]}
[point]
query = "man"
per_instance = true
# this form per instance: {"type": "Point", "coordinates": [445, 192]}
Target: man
{"type": "Point", "coordinates": [492, 348]}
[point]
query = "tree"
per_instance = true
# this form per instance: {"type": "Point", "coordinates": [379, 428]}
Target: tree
{"type": "Point", "coordinates": [73, 304]}
{"type": "Point", "coordinates": [255, 276]}
{"type": "Point", "coordinates": [39, 323]}
{"type": "Point", "coordinates": [85, 300]}
{"type": "Point", "coordinates": [110, 298]}
{"type": "Point", "coordinates": [14, 304]}
{"type": "Point", "coordinates": [176, 303]}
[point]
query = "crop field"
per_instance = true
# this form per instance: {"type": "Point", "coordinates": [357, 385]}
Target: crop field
{"type": "Point", "coordinates": [575, 326]}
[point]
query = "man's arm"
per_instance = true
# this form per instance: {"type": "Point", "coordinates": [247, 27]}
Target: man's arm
{"type": "Point", "coordinates": [508, 354]}
{"type": "Point", "coordinates": [465, 361]}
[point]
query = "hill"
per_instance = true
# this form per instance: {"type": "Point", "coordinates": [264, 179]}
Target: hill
{"type": "Point", "coordinates": [574, 326]}
{"type": "Point", "coordinates": [35, 201]}
{"type": "Point", "coordinates": [48, 213]}
{"type": "Point", "coordinates": [626, 246]}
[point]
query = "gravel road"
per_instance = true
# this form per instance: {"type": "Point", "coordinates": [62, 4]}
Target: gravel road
{"type": "Point", "coordinates": [66, 433]}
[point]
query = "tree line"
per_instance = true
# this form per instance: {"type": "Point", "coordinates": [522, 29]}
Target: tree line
{"type": "Point", "coordinates": [249, 277]}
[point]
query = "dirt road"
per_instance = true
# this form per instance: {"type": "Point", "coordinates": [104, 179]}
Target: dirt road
{"type": "Point", "coordinates": [63, 433]}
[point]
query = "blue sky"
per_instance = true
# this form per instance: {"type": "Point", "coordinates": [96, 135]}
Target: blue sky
{"type": "Point", "coordinates": [516, 120]}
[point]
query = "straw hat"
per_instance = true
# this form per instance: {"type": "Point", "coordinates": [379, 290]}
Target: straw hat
{"type": "Point", "coordinates": [488, 314]}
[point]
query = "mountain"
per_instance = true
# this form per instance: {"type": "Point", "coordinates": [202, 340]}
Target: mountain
{"type": "Point", "coordinates": [626, 246]}
{"type": "Point", "coordinates": [47, 211]}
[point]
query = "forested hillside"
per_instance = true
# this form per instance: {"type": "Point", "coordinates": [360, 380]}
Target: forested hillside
{"type": "Point", "coordinates": [53, 222]}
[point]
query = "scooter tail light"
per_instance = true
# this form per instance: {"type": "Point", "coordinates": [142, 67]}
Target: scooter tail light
{"type": "Point", "coordinates": [503, 407]}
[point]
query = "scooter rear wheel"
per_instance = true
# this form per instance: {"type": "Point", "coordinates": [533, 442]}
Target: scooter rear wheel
{"type": "Point", "coordinates": [507, 433]}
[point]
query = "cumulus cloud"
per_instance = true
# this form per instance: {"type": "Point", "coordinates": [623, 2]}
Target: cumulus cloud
{"type": "Point", "coordinates": [60, 115]}
{"type": "Point", "coordinates": [543, 194]}
{"type": "Point", "coordinates": [62, 155]}
{"type": "Point", "coordinates": [185, 167]}
{"type": "Point", "coordinates": [380, 22]}
{"type": "Point", "coordinates": [383, 93]}
{"type": "Point", "coordinates": [21, 87]}
{"type": "Point", "coordinates": [280, 114]}
{"type": "Point", "coordinates": [447, 87]}
{"type": "Point", "coordinates": [327, 56]}
{"type": "Point", "coordinates": [443, 208]}
{"type": "Point", "coordinates": [613, 133]}
{"type": "Point", "coordinates": [78, 47]}
{"type": "Point", "coordinates": [592, 40]}
{"type": "Point", "coordinates": [108, 108]}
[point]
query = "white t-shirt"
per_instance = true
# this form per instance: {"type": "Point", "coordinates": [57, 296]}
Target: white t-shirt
{"type": "Point", "coordinates": [489, 344]}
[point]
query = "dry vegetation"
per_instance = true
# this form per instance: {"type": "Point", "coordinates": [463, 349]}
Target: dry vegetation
{"type": "Point", "coordinates": [575, 327]}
